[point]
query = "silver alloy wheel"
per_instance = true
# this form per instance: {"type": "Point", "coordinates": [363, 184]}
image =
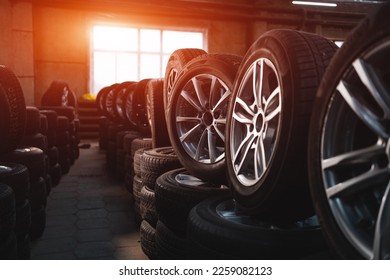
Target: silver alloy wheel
{"type": "Point", "coordinates": [255, 122]}
{"type": "Point", "coordinates": [201, 118]}
{"type": "Point", "coordinates": [355, 153]}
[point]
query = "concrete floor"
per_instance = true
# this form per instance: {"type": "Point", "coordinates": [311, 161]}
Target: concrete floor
{"type": "Point", "coordinates": [89, 215]}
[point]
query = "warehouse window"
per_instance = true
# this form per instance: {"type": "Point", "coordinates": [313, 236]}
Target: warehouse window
{"type": "Point", "coordinates": [130, 54]}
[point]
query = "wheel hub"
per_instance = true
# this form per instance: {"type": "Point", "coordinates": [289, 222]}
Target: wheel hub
{"type": "Point", "coordinates": [259, 122]}
{"type": "Point", "coordinates": [208, 118]}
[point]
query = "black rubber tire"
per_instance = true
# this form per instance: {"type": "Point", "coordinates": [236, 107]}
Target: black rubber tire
{"type": "Point", "coordinates": [216, 230]}
{"type": "Point", "coordinates": [119, 101]}
{"type": "Point", "coordinates": [128, 140]}
{"type": "Point", "coordinates": [175, 199]}
{"type": "Point", "coordinates": [38, 194]}
{"type": "Point", "coordinates": [43, 124]}
{"type": "Point", "coordinates": [148, 241]}
{"type": "Point", "coordinates": [55, 174]}
{"type": "Point", "coordinates": [52, 126]}
{"type": "Point", "coordinates": [65, 111]}
{"type": "Point", "coordinates": [7, 211]}
{"type": "Point", "coordinates": [156, 113]}
{"type": "Point", "coordinates": [62, 125]}
{"type": "Point", "coordinates": [177, 60]}
{"type": "Point", "coordinates": [137, 162]}
{"type": "Point", "coordinates": [12, 111]}
{"type": "Point", "coordinates": [108, 104]}
{"type": "Point", "coordinates": [372, 32]}
{"type": "Point", "coordinates": [281, 192]}
{"type": "Point", "coordinates": [136, 107]}
{"type": "Point", "coordinates": [63, 138]}
{"type": "Point", "coordinates": [100, 100]}
{"type": "Point", "coordinates": [169, 244]}
{"type": "Point", "coordinates": [194, 151]}
{"type": "Point", "coordinates": [23, 219]}
{"type": "Point", "coordinates": [48, 183]}
{"type": "Point", "coordinates": [33, 120]}
{"type": "Point", "coordinates": [53, 155]}
{"type": "Point", "coordinates": [17, 177]}
{"type": "Point", "coordinates": [156, 162]}
{"type": "Point", "coordinates": [148, 206]}
{"type": "Point", "coordinates": [59, 94]}
{"type": "Point", "coordinates": [33, 158]}
{"type": "Point", "coordinates": [138, 146]}
{"type": "Point", "coordinates": [137, 187]}
{"type": "Point", "coordinates": [37, 140]}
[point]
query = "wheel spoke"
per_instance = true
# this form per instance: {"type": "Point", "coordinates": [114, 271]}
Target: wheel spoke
{"type": "Point", "coordinates": [273, 99]}
{"type": "Point", "coordinates": [211, 146]}
{"type": "Point", "coordinates": [362, 111]}
{"type": "Point", "coordinates": [223, 100]}
{"type": "Point", "coordinates": [244, 106]}
{"type": "Point", "coordinates": [188, 133]}
{"type": "Point", "coordinates": [365, 155]}
{"type": "Point", "coordinates": [201, 145]}
{"type": "Point", "coordinates": [359, 183]}
{"type": "Point", "coordinates": [374, 84]}
{"type": "Point", "coordinates": [258, 82]}
{"type": "Point", "coordinates": [221, 134]}
{"type": "Point", "coordinates": [381, 248]}
{"type": "Point", "coordinates": [187, 119]}
{"type": "Point", "coordinates": [242, 119]}
{"type": "Point", "coordinates": [243, 150]}
{"type": "Point", "coordinates": [192, 101]}
{"type": "Point", "coordinates": [199, 92]}
{"type": "Point", "coordinates": [260, 162]}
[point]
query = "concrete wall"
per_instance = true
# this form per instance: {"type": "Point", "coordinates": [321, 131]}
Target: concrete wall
{"type": "Point", "coordinates": [16, 44]}
{"type": "Point", "coordinates": [47, 40]}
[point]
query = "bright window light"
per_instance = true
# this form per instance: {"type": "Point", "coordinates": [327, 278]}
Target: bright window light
{"type": "Point", "coordinates": [122, 54]}
{"type": "Point", "coordinates": [321, 4]}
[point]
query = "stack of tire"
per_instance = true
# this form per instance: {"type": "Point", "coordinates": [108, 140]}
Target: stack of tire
{"type": "Point", "coordinates": [62, 100]}
{"type": "Point", "coordinates": [55, 170]}
{"type": "Point", "coordinates": [123, 110]}
{"type": "Point", "coordinates": [243, 116]}
{"type": "Point", "coordinates": [14, 178]}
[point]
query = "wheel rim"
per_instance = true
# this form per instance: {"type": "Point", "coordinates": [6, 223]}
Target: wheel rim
{"type": "Point", "coordinates": [228, 211]}
{"type": "Point", "coordinates": [201, 118]}
{"type": "Point", "coordinates": [185, 179]}
{"type": "Point", "coordinates": [255, 123]}
{"type": "Point", "coordinates": [355, 153]}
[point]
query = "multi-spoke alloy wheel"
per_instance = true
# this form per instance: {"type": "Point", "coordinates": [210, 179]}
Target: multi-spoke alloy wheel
{"type": "Point", "coordinates": [197, 114]}
{"type": "Point", "coordinates": [350, 144]}
{"type": "Point", "coordinates": [255, 121]}
{"type": "Point", "coordinates": [268, 121]}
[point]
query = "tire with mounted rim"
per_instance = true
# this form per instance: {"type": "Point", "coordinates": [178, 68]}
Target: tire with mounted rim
{"type": "Point", "coordinates": [197, 111]}
{"type": "Point", "coordinates": [349, 143]}
{"type": "Point", "coordinates": [218, 230]}
{"type": "Point", "coordinates": [268, 121]}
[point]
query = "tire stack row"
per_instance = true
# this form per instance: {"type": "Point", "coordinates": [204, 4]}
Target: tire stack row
{"type": "Point", "coordinates": [14, 177]}
{"type": "Point", "coordinates": [29, 166]}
